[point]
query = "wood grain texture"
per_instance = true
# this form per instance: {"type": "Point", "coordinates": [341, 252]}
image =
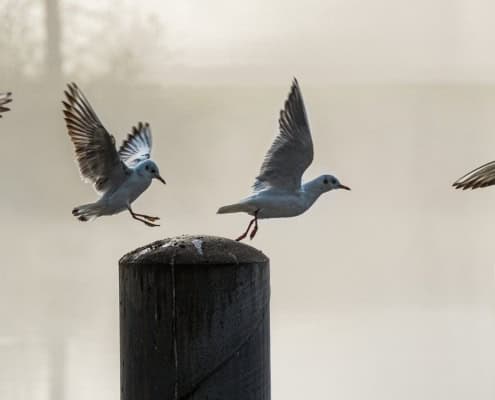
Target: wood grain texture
{"type": "Point", "coordinates": [194, 321]}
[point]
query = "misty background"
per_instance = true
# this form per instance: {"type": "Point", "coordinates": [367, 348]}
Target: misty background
{"type": "Point", "coordinates": [385, 292]}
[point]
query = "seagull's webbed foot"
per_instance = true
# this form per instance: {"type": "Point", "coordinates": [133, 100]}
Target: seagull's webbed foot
{"type": "Point", "coordinates": [243, 236]}
{"type": "Point", "coordinates": [145, 219]}
{"type": "Point", "coordinates": [147, 223]}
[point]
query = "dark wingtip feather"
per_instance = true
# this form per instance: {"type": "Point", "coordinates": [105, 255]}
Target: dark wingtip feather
{"type": "Point", "coordinates": [5, 98]}
{"type": "Point", "coordinates": [469, 185]}
{"type": "Point", "coordinates": [72, 86]}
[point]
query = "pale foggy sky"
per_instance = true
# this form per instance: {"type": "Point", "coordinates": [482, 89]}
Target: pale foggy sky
{"type": "Point", "coordinates": [336, 40]}
{"type": "Point", "coordinates": [390, 285]}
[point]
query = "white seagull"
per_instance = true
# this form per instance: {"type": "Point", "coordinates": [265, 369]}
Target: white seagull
{"type": "Point", "coordinates": [5, 98]}
{"type": "Point", "coordinates": [277, 191]}
{"type": "Point", "coordinates": [477, 178]}
{"type": "Point", "coordinates": [119, 176]}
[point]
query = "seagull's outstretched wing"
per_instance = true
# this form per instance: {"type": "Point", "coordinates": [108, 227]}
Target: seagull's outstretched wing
{"type": "Point", "coordinates": [95, 149]}
{"type": "Point", "coordinates": [480, 177]}
{"type": "Point", "coordinates": [137, 146]}
{"type": "Point", "coordinates": [292, 151]}
{"type": "Point", "coordinates": [5, 98]}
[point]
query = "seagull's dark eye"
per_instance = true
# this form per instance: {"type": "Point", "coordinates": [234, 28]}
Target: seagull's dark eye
{"type": "Point", "coordinates": [325, 181]}
{"type": "Point", "coordinates": [334, 181]}
{"type": "Point", "coordinates": [153, 171]}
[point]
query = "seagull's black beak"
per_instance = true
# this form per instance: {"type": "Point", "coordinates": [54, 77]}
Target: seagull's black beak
{"type": "Point", "coordinates": [160, 179]}
{"type": "Point", "coordinates": [344, 187]}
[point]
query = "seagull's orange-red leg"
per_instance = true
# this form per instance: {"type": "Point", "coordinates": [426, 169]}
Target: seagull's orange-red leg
{"type": "Point", "coordinates": [255, 229]}
{"type": "Point", "coordinates": [246, 232]}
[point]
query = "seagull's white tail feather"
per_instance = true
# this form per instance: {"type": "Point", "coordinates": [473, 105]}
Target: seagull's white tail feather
{"type": "Point", "coordinates": [87, 212]}
{"type": "Point", "coordinates": [233, 208]}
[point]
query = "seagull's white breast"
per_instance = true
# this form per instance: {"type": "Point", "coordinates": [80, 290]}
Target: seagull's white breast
{"type": "Point", "coordinates": [125, 195]}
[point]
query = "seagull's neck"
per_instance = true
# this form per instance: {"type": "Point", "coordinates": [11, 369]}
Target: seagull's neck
{"type": "Point", "coordinates": [311, 191]}
{"type": "Point", "coordinates": [139, 172]}
{"type": "Point", "coordinates": [140, 179]}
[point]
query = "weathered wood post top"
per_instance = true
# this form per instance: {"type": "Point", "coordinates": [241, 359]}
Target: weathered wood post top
{"type": "Point", "coordinates": [194, 321]}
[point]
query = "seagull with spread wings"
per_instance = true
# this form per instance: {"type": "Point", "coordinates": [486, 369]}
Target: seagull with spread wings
{"type": "Point", "coordinates": [5, 98]}
{"type": "Point", "coordinates": [278, 191]}
{"type": "Point", "coordinates": [120, 177]}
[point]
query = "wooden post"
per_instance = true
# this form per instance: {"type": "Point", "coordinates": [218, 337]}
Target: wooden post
{"type": "Point", "coordinates": [194, 321]}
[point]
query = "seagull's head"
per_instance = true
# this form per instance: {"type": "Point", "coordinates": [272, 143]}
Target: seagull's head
{"type": "Point", "coordinates": [330, 182]}
{"type": "Point", "coordinates": [149, 169]}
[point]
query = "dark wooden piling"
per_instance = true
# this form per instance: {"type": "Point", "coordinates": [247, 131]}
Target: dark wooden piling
{"type": "Point", "coordinates": [194, 321]}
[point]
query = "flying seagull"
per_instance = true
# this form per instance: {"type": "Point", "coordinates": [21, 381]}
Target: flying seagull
{"type": "Point", "coordinates": [277, 191]}
{"type": "Point", "coordinates": [5, 98]}
{"type": "Point", "coordinates": [118, 176]}
{"type": "Point", "coordinates": [478, 178]}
